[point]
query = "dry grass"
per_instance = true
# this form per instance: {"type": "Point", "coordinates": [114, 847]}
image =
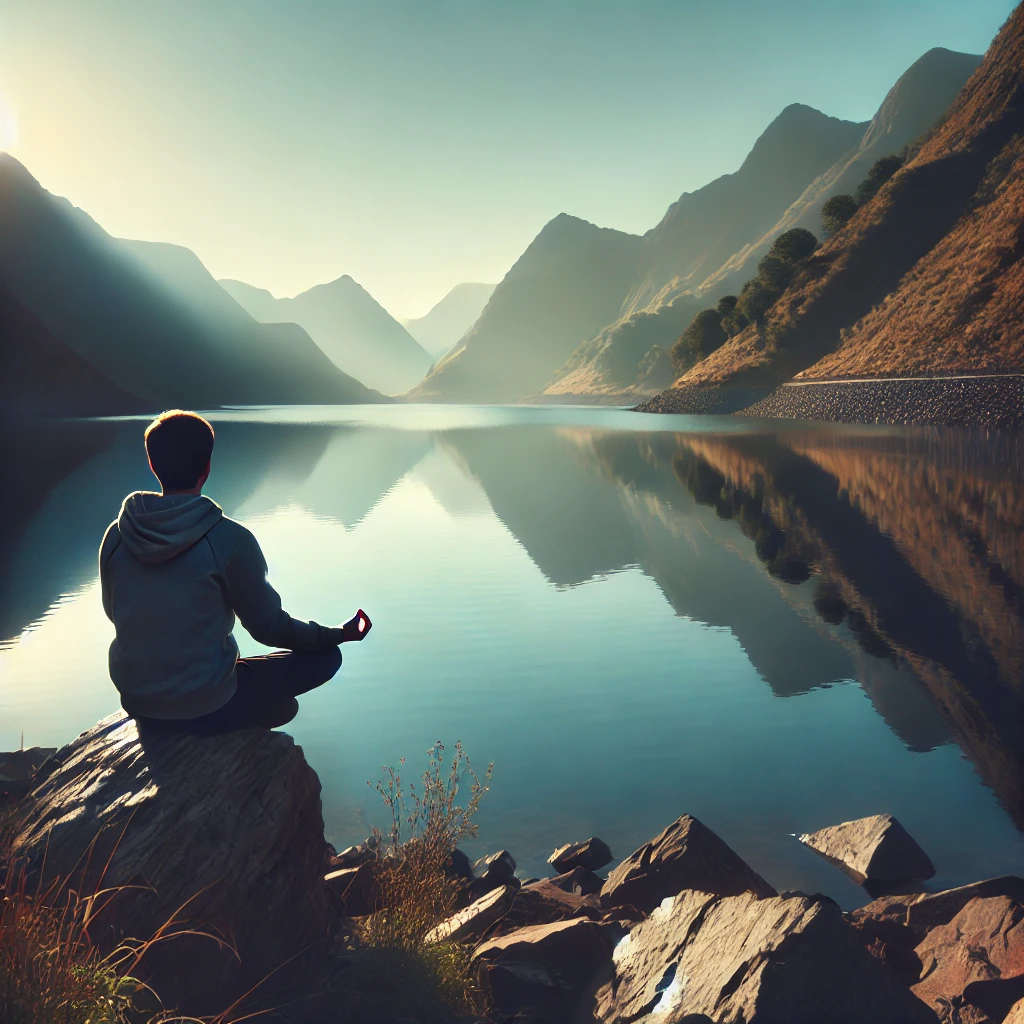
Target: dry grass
{"type": "Point", "coordinates": [51, 969]}
{"type": "Point", "coordinates": [392, 968]}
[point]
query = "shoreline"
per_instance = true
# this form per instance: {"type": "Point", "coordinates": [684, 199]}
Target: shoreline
{"type": "Point", "coordinates": [988, 401]}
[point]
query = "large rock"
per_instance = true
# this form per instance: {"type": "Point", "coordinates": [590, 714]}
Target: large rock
{"type": "Point", "coordinates": [774, 960]}
{"type": "Point", "coordinates": [592, 854]}
{"type": "Point", "coordinates": [354, 892]}
{"type": "Point", "coordinates": [475, 920]}
{"type": "Point", "coordinates": [543, 902]}
{"type": "Point", "coordinates": [539, 972]}
{"type": "Point", "coordinates": [876, 849]}
{"type": "Point", "coordinates": [891, 927]}
{"type": "Point", "coordinates": [229, 828]}
{"type": "Point", "coordinates": [970, 962]}
{"type": "Point", "coordinates": [17, 770]}
{"type": "Point", "coordinates": [687, 855]}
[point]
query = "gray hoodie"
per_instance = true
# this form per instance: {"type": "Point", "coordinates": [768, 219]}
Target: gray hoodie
{"type": "Point", "coordinates": [174, 572]}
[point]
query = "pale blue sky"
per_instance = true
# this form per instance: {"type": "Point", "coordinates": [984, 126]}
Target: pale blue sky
{"type": "Point", "coordinates": [415, 144]}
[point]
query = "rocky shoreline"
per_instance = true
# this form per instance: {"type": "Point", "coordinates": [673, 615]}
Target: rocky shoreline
{"type": "Point", "coordinates": [682, 929]}
{"type": "Point", "coordinates": [988, 401]}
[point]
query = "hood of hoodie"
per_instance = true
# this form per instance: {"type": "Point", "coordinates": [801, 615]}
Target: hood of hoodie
{"type": "Point", "coordinates": [157, 527]}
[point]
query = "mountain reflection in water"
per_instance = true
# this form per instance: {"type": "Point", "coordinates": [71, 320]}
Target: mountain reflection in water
{"type": "Point", "coordinates": [890, 558]}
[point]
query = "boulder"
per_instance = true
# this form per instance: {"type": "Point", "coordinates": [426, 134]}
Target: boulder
{"type": "Point", "coordinates": [876, 849]}
{"type": "Point", "coordinates": [17, 770]}
{"type": "Point", "coordinates": [928, 911]}
{"type": "Point", "coordinates": [351, 857]}
{"type": "Point", "coordinates": [1016, 1014]}
{"type": "Point", "coordinates": [492, 871]}
{"type": "Point", "coordinates": [223, 831]}
{"type": "Point", "coordinates": [354, 892]}
{"type": "Point", "coordinates": [475, 920]}
{"type": "Point", "coordinates": [969, 963]}
{"type": "Point", "coordinates": [882, 929]}
{"type": "Point", "coordinates": [459, 866]}
{"type": "Point", "coordinates": [738, 958]}
{"type": "Point", "coordinates": [543, 902]}
{"type": "Point", "coordinates": [581, 881]}
{"type": "Point", "coordinates": [592, 854]}
{"type": "Point", "coordinates": [687, 855]}
{"type": "Point", "coordinates": [539, 972]}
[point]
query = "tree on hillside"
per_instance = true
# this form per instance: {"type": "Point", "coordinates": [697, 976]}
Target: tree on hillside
{"type": "Point", "coordinates": [775, 273]}
{"type": "Point", "coordinates": [733, 321]}
{"type": "Point", "coordinates": [881, 171]}
{"type": "Point", "coordinates": [700, 339]}
{"type": "Point", "coordinates": [836, 212]}
{"type": "Point", "coordinates": [795, 245]}
{"type": "Point", "coordinates": [755, 300]}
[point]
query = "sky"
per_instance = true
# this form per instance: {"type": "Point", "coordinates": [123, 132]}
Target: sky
{"type": "Point", "coordinates": [416, 144]}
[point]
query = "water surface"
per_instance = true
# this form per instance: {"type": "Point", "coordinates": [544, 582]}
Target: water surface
{"type": "Point", "coordinates": [772, 627]}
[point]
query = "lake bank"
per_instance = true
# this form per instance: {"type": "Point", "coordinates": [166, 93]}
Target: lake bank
{"type": "Point", "coordinates": [985, 401]}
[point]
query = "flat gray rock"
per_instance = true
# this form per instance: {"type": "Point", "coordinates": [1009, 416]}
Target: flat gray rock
{"type": "Point", "coordinates": [776, 960]}
{"type": "Point", "coordinates": [875, 849]}
{"type": "Point", "coordinates": [228, 827]}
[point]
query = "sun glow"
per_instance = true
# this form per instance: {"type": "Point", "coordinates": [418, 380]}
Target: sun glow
{"type": "Point", "coordinates": [8, 127]}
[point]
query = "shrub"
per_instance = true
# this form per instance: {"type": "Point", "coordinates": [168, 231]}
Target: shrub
{"type": "Point", "coordinates": [881, 171]}
{"type": "Point", "coordinates": [733, 321]}
{"type": "Point", "coordinates": [775, 273]}
{"type": "Point", "coordinates": [700, 339]}
{"type": "Point", "coordinates": [755, 300]}
{"type": "Point", "coordinates": [795, 245]}
{"type": "Point", "coordinates": [726, 305]}
{"type": "Point", "coordinates": [394, 970]}
{"type": "Point", "coordinates": [836, 212]}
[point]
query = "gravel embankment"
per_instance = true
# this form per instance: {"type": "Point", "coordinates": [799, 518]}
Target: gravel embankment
{"type": "Point", "coordinates": [965, 401]}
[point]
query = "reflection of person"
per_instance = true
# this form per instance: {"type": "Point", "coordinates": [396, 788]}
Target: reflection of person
{"type": "Point", "coordinates": [174, 573]}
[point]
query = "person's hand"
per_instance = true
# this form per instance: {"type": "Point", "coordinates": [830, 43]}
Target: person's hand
{"type": "Point", "coordinates": [357, 627]}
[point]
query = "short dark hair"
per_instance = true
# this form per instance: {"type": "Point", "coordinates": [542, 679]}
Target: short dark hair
{"type": "Point", "coordinates": [179, 445]}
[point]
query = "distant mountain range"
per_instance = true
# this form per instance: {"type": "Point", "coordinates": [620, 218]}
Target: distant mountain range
{"type": "Point", "coordinates": [707, 243]}
{"type": "Point", "coordinates": [566, 286]}
{"type": "Point", "coordinates": [350, 326]}
{"type": "Point", "coordinates": [450, 318]}
{"type": "Point", "coordinates": [928, 277]}
{"type": "Point", "coordinates": [147, 319]}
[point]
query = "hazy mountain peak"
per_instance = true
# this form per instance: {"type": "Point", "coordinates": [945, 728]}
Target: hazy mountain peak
{"type": "Point", "coordinates": [348, 323]}
{"type": "Point", "coordinates": [448, 320]}
{"type": "Point", "coordinates": [920, 96]}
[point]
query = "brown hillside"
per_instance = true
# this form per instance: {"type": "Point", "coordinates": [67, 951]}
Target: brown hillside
{"type": "Point", "coordinates": [926, 277]}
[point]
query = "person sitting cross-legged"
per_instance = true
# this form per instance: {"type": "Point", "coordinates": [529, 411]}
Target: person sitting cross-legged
{"type": "Point", "coordinates": [174, 573]}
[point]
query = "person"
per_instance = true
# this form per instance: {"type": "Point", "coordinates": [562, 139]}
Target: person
{"type": "Point", "coordinates": [174, 573]}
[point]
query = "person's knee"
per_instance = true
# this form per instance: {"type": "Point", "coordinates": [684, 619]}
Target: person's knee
{"type": "Point", "coordinates": [330, 662]}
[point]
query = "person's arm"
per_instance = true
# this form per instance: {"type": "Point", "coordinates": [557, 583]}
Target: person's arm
{"type": "Point", "coordinates": [258, 605]}
{"type": "Point", "coordinates": [111, 539]}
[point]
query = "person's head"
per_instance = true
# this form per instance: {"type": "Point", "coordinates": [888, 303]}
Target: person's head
{"type": "Point", "coordinates": [179, 445]}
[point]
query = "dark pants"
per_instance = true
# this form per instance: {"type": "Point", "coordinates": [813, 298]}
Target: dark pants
{"type": "Point", "coordinates": [265, 697]}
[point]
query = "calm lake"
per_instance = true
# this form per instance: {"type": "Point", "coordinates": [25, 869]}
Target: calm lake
{"type": "Point", "coordinates": [774, 627]}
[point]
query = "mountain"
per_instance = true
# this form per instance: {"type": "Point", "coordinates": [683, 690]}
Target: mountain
{"type": "Point", "coordinates": [449, 320]}
{"type": "Point", "coordinates": [918, 99]}
{"type": "Point", "coordinates": [928, 277]}
{"type": "Point", "coordinates": [40, 375]}
{"type": "Point", "coordinates": [628, 360]}
{"type": "Point", "coordinates": [356, 332]}
{"type": "Point", "coordinates": [703, 229]}
{"type": "Point", "coordinates": [94, 295]}
{"type": "Point", "coordinates": [567, 285]}
{"type": "Point", "coordinates": [709, 242]}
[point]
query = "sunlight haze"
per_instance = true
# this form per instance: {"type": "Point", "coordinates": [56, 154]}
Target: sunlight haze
{"type": "Point", "coordinates": [415, 146]}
